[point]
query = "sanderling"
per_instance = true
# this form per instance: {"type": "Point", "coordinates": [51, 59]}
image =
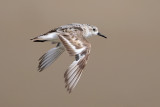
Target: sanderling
{"type": "Point", "coordinates": [71, 37]}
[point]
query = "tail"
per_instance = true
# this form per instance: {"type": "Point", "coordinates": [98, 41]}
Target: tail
{"type": "Point", "coordinates": [38, 39]}
{"type": "Point", "coordinates": [48, 58]}
{"type": "Point", "coordinates": [49, 36]}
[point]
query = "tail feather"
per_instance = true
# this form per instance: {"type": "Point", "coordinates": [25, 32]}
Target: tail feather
{"type": "Point", "coordinates": [50, 36]}
{"type": "Point", "coordinates": [34, 38]}
{"type": "Point", "coordinates": [38, 39]}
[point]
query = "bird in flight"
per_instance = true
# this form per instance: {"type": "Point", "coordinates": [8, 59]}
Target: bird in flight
{"type": "Point", "coordinates": [70, 37]}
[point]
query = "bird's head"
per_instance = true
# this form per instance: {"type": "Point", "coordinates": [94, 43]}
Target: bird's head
{"type": "Point", "coordinates": [93, 30]}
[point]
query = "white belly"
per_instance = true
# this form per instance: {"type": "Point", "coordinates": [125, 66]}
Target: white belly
{"type": "Point", "coordinates": [51, 37]}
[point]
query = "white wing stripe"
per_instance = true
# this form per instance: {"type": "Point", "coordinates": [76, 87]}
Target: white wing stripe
{"type": "Point", "coordinates": [77, 51]}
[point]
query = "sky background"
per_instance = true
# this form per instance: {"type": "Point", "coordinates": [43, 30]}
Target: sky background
{"type": "Point", "coordinates": [122, 71]}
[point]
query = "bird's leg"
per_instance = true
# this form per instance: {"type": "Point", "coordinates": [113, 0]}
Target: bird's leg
{"type": "Point", "coordinates": [58, 44]}
{"type": "Point", "coordinates": [77, 57]}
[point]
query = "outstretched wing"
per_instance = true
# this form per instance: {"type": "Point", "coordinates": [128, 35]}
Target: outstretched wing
{"type": "Point", "coordinates": [77, 45]}
{"type": "Point", "coordinates": [49, 57]}
{"type": "Point", "coordinates": [74, 72]}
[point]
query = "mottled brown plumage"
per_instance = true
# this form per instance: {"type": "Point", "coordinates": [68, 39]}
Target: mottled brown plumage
{"type": "Point", "coordinates": [71, 37]}
{"type": "Point", "coordinates": [77, 42]}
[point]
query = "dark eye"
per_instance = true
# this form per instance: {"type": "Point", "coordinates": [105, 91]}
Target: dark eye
{"type": "Point", "coordinates": [94, 29]}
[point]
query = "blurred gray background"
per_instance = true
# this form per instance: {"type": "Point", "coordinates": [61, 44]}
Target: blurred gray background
{"type": "Point", "coordinates": [123, 70]}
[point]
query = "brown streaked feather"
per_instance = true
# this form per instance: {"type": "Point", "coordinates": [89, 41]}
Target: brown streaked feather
{"type": "Point", "coordinates": [61, 29]}
{"type": "Point", "coordinates": [74, 72]}
{"type": "Point", "coordinates": [73, 26]}
{"type": "Point", "coordinates": [75, 43]}
{"type": "Point", "coordinates": [51, 31]}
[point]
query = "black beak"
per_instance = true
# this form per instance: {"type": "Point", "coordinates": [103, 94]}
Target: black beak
{"type": "Point", "coordinates": [99, 34]}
